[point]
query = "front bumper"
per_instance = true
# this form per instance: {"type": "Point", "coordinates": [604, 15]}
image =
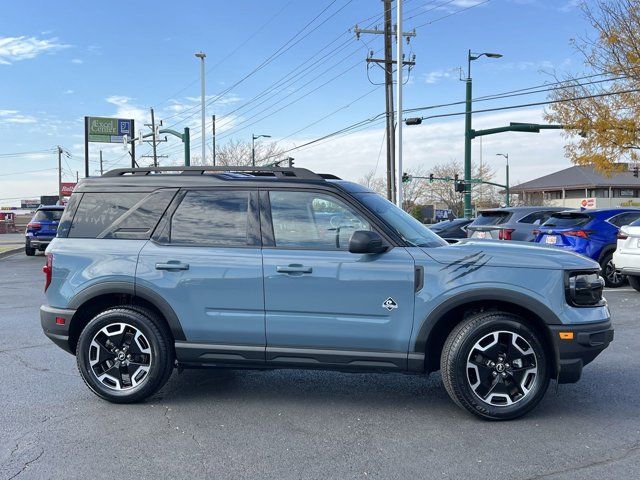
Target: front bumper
{"type": "Point", "coordinates": [577, 345]}
{"type": "Point", "coordinates": [57, 330]}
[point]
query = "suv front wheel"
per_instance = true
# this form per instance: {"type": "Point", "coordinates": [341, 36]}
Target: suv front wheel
{"type": "Point", "coordinates": [124, 354]}
{"type": "Point", "coordinates": [495, 366]}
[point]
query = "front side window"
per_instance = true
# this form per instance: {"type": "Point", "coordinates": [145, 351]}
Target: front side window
{"type": "Point", "coordinates": [215, 218]}
{"type": "Point", "coordinates": [313, 220]}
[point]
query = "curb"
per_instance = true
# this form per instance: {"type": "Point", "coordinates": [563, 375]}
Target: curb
{"type": "Point", "coordinates": [6, 253]}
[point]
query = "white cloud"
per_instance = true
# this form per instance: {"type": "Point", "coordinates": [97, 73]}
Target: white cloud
{"type": "Point", "coordinates": [13, 49]}
{"type": "Point", "coordinates": [438, 75]}
{"type": "Point", "coordinates": [77, 61]}
{"type": "Point", "coordinates": [15, 117]}
{"type": "Point", "coordinates": [570, 5]}
{"type": "Point", "coordinates": [68, 92]}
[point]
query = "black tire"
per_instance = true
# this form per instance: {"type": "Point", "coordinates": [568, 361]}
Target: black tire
{"type": "Point", "coordinates": [159, 361]}
{"type": "Point", "coordinates": [612, 279]}
{"type": "Point", "coordinates": [634, 282]}
{"type": "Point", "coordinates": [28, 250]}
{"type": "Point", "coordinates": [457, 376]}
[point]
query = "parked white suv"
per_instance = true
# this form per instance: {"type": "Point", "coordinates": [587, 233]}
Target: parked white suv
{"type": "Point", "coordinates": [626, 258]}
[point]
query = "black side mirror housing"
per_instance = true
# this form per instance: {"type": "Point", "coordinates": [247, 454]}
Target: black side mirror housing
{"type": "Point", "coordinates": [365, 241]}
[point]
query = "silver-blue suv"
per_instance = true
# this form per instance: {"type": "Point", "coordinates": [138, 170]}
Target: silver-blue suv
{"type": "Point", "coordinates": [225, 267]}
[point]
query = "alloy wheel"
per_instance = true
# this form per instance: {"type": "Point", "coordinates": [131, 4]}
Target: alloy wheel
{"type": "Point", "coordinates": [120, 356]}
{"type": "Point", "coordinates": [611, 274]}
{"type": "Point", "coordinates": [502, 368]}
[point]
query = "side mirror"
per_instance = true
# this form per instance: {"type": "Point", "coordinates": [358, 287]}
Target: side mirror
{"type": "Point", "coordinates": [365, 241]}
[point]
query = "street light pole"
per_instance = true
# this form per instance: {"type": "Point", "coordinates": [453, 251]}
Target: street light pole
{"type": "Point", "coordinates": [254, 137]}
{"type": "Point", "coordinates": [202, 56]}
{"type": "Point", "coordinates": [467, 129]}
{"type": "Point", "coordinates": [507, 196]}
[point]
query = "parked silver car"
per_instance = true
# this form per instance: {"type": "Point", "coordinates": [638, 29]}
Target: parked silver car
{"type": "Point", "coordinates": [511, 223]}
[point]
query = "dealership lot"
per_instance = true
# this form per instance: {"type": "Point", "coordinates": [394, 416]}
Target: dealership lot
{"type": "Point", "coordinates": [301, 424]}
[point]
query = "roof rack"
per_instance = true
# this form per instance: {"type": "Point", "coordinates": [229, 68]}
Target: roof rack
{"type": "Point", "coordinates": [281, 172]}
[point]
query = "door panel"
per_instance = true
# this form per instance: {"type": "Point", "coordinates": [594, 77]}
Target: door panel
{"type": "Point", "coordinates": [323, 304]}
{"type": "Point", "coordinates": [208, 266]}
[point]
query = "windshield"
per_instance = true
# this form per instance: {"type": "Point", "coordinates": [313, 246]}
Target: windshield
{"type": "Point", "coordinates": [495, 217]}
{"type": "Point", "coordinates": [410, 229]}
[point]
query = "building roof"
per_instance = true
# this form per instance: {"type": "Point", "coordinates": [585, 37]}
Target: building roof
{"type": "Point", "coordinates": [579, 176]}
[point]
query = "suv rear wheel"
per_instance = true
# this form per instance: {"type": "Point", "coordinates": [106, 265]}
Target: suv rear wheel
{"type": "Point", "coordinates": [495, 366]}
{"type": "Point", "coordinates": [29, 250]}
{"type": "Point", "coordinates": [124, 354]}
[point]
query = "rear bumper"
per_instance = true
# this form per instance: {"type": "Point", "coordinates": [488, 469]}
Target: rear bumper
{"type": "Point", "coordinates": [587, 343]}
{"type": "Point", "coordinates": [38, 242]}
{"type": "Point", "coordinates": [57, 332]}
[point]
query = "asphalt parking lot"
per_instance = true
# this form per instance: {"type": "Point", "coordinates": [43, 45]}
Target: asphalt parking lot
{"type": "Point", "coordinates": [301, 424]}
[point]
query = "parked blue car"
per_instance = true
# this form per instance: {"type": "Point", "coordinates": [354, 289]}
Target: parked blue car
{"type": "Point", "coordinates": [42, 228]}
{"type": "Point", "coordinates": [591, 233]}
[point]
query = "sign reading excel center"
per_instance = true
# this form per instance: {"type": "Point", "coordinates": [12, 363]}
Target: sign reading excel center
{"type": "Point", "coordinates": [108, 130]}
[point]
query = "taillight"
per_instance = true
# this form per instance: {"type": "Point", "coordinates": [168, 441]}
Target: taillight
{"type": "Point", "coordinates": [505, 233]}
{"type": "Point", "coordinates": [578, 233]}
{"type": "Point", "coordinates": [48, 270]}
{"type": "Point", "coordinates": [622, 236]}
{"type": "Point", "coordinates": [34, 225]}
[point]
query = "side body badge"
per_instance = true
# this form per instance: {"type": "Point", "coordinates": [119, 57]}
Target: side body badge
{"type": "Point", "coordinates": [389, 304]}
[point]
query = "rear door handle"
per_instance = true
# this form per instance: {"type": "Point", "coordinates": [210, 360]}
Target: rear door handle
{"type": "Point", "coordinates": [172, 265]}
{"type": "Point", "coordinates": [293, 268]}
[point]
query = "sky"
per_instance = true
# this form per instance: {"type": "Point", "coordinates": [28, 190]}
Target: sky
{"type": "Point", "coordinates": [291, 69]}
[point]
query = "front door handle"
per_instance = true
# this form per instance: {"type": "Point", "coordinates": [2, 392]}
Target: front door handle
{"type": "Point", "coordinates": [172, 265]}
{"type": "Point", "coordinates": [293, 268]}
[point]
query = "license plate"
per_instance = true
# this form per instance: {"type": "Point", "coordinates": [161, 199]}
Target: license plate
{"type": "Point", "coordinates": [551, 239]}
{"type": "Point", "coordinates": [480, 234]}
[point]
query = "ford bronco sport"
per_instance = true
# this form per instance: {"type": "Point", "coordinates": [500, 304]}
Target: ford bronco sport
{"type": "Point", "coordinates": [236, 267]}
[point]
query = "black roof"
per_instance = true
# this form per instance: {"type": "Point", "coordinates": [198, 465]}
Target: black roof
{"type": "Point", "coordinates": [580, 176]}
{"type": "Point", "coordinates": [148, 179]}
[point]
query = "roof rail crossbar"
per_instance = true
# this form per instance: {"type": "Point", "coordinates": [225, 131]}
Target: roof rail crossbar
{"type": "Point", "coordinates": [281, 172]}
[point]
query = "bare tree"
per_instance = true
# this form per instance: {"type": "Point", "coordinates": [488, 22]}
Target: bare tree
{"type": "Point", "coordinates": [374, 183]}
{"type": "Point", "coordinates": [238, 153]}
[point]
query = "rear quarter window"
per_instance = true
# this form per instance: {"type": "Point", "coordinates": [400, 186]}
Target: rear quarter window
{"type": "Point", "coordinates": [122, 215]}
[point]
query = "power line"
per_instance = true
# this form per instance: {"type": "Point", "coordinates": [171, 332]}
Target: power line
{"type": "Point", "coordinates": [33, 152]}
{"type": "Point", "coordinates": [28, 171]}
{"type": "Point", "coordinates": [279, 52]}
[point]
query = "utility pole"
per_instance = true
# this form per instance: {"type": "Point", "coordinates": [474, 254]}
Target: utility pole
{"type": "Point", "coordinates": [153, 130]}
{"type": "Point", "coordinates": [202, 56]}
{"type": "Point", "coordinates": [154, 139]}
{"type": "Point", "coordinates": [101, 171]}
{"type": "Point", "coordinates": [213, 142]}
{"type": "Point", "coordinates": [59, 175]}
{"type": "Point", "coordinates": [387, 63]}
{"type": "Point", "coordinates": [400, 61]}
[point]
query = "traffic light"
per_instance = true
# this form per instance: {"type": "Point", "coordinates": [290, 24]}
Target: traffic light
{"type": "Point", "coordinates": [430, 177]}
{"type": "Point", "coordinates": [635, 171]}
{"type": "Point", "coordinates": [406, 178]}
{"type": "Point", "coordinates": [459, 186]}
{"type": "Point", "coordinates": [291, 159]}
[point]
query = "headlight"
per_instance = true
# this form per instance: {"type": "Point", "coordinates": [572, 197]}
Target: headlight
{"type": "Point", "coordinates": [584, 289]}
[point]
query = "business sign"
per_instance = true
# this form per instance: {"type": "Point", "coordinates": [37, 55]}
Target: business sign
{"type": "Point", "coordinates": [108, 130]}
{"type": "Point", "coordinates": [66, 188]}
{"type": "Point", "coordinates": [49, 199]}
{"type": "Point", "coordinates": [30, 203]}
{"type": "Point", "coordinates": [588, 203]}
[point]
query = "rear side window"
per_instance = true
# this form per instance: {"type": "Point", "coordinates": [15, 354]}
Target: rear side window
{"type": "Point", "coordinates": [491, 218]}
{"type": "Point", "coordinates": [216, 218]}
{"type": "Point", "coordinates": [563, 220]}
{"type": "Point", "coordinates": [47, 216]}
{"type": "Point", "coordinates": [624, 219]}
{"type": "Point", "coordinates": [122, 215]}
